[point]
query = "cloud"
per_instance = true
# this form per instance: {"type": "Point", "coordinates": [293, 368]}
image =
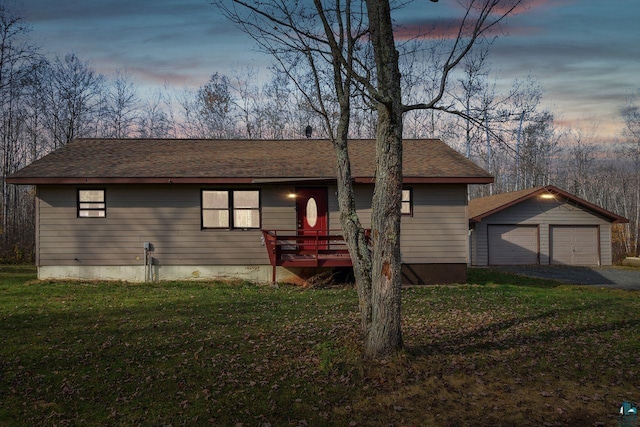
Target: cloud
{"type": "Point", "coordinates": [39, 11]}
{"type": "Point", "coordinates": [583, 52]}
{"type": "Point", "coordinates": [528, 6]}
{"type": "Point", "coordinates": [151, 76]}
{"type": "Point", "coordinates": [449, 27]}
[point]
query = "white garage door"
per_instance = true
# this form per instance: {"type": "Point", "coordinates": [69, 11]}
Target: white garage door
{"type": "Point", "coordinates": [574, 245]}
{"type": "Point", "coordinates": [513, 244]}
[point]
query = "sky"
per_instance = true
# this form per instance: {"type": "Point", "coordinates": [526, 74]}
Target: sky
{"type": "Point", "coordinates": [585, 54]}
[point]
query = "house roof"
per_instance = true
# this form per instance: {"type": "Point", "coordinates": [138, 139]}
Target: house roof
{"type": "Point", "coordinates": [485, 206]}
{"type": "Point", "coordinates": [128, 161]}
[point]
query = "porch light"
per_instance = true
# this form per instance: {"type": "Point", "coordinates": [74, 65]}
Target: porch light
{"type": "Point", "coordinates": [291, 195]}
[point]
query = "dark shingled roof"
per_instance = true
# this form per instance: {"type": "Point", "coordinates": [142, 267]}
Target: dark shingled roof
{"type": "Point", "coordinates": [237, 161]}
{"type": "Point", "coordinates": [484, 206]}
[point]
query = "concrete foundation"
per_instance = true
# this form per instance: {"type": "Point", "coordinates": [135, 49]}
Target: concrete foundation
{"type": "Point", "coordinates": [412, 274]}
{"type": "Point", "coordinates": [254, 273]}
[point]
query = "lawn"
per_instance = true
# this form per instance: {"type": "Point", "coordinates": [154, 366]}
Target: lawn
{"type": "Point", "coordinates": [502, 350]}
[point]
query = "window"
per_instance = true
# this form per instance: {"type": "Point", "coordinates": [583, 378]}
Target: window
{"type": "Point", "coordinates": [92, 204]}
{"type": "Point", "coordinates": [407, 202]}
{"type": "Point", "coordinates": [246, 209]}
{"type": "Point", "coordinates": [215, 209]}
{"type": "Point", "coordinates": [231, 209]}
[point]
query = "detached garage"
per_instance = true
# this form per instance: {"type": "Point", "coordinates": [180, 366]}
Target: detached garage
{"type": "Point", "coordinates": [543, 225]}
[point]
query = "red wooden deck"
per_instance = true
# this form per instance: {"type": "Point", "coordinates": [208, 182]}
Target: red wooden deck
{"type": "Point", "coordinates": [321, 248]}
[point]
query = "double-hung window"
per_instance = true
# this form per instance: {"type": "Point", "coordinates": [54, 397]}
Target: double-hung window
{"type": "Point", "coordinates": [92, 203]}
{"type": "Point", "coordinates": [231, 209]}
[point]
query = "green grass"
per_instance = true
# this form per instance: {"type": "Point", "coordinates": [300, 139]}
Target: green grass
{"type": "Point", "coordinates": [503, 350]}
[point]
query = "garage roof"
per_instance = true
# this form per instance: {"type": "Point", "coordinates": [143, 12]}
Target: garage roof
{"type": "Point", "coordinates": [484, 206]}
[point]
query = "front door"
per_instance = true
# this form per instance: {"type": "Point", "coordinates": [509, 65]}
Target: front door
{"type": "Point", "coordinates": [311, 205]}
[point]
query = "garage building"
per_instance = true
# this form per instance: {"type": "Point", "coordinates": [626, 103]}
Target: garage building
{"type": "Point", "coordinates": [543, 225]}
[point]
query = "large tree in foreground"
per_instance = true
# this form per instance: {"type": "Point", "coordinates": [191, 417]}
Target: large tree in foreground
{"type": "Point", "coordinates": [348, 52]}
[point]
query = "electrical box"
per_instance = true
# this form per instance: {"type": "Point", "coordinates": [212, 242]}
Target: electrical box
{"type": "Point", "coordinates": [147, 246]}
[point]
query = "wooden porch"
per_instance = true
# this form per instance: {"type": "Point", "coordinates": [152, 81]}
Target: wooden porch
{"type": "Point", "coordinates": [303, 248]}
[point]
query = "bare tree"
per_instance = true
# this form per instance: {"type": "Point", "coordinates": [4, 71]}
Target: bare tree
{"type": "Point", "coordinates": [420, 66]}
{"type": "Point", "coordinates": [19, 62]}
{"type": "Point", "coordinates": [35, 107]}
{"type": "Point", "coordinates": [472, 83]}
{"type": "Point", "coordinates": [580, 170]}
{"type": "Point", "coordinates": [479, 17]}
{"type": "Point", "coordinates": [75, 94]}
{"type": "Point", "coordinates": [540, 144]}
{"type": "Point", "coordinates": [121, 107]}
{"type": "Point", "coordinates": [247, 102]}
{"type": "Point", "coordinates": [631, 184]}
{"type": "Point", "coordinates": [329, 40]}
{"type": "Point", "coordinates": [317, 67]}
{"type": "Point", "coordinates": [275, 111]}
{"type": "Point", "coordinates": [208, 112]}
{"type": "Point", "coordinates": [155, 119]}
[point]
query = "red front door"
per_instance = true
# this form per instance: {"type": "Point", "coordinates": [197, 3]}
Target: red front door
{"type": "Point", "coordinates": [311, 205]}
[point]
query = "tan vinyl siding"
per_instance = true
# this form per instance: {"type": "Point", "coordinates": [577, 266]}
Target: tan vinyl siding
{"type": "Point", "coordinates": [544, 213]}
{"type": "Point", "coordinates": [434, 233]}
{"type": "Point", "coordinates": [167, 216]}
{"type": "Point", "coordinates": [333, 211]}
{"type": "Point", "coordinates": [363, 195]}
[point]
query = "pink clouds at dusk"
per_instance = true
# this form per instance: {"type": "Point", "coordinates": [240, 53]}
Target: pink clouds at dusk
{"type": "Point", "coordinates": [430, 27]}
{"type": "Point", "coordinates": [449, 28]}
{"type": "Point", "coordinates": [583, 53]}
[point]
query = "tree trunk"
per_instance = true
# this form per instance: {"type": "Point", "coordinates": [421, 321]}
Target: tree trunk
{"type": "Point", "coordinates": [352, 230]}
{"type": "Point", "coordinates": [354, 235]}
{"type": "Point", "coordinates": [385, 335]}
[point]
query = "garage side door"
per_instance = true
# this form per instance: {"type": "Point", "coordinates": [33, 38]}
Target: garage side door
{"type": "Point", "coordinates": [513, 244]}
{"type": "Point", "coordinates": [574, 245]}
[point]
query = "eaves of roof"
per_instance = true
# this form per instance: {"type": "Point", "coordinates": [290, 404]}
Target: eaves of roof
{"type": "Point", "coordinates": [213, 181]}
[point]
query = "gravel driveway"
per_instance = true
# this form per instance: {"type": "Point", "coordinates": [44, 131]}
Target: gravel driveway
{"type": "Point", "coordinates": [610, 277]}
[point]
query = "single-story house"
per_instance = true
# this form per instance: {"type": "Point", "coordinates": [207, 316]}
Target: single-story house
{"type": "Point", "coordinates": [162, 209]}
{"type": "Point", "coordinates": [543, 225]}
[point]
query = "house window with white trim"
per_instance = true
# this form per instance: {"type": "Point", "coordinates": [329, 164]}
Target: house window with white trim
{"type": "Point", "coordinates": [231, 209]}
{"type": "Point", "coordinates": [92, 203]}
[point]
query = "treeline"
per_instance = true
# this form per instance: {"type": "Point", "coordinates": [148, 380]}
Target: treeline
{"type": "Point", "coordinates": [47, 102]}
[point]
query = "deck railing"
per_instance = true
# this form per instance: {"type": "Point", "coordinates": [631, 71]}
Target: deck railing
{"type": "Point", "coordinates": [303, 248]}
